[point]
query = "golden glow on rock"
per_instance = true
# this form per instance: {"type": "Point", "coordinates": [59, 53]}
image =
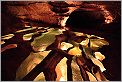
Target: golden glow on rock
{"type": "Point", "coordinates": [99, 76]}
{"type": "Point", "coordinates": [40, 77]}
{"type": "Point", "coordinates": [91, 77]}
{"type": "Point", "coordinates": [23, 30]}
{"type": "Point", "coordinates": [63, 29]}
{"type": "Point", "coordinates": [65, 46]}
{"type": "Point", "coordinates": [61, 70]}
{"type": "Point", "coordinates": [85, 42]}
{"type": "Point", "coordinates": [29, 63]}
{"type": "Point", "coordinates": [76, 76]}
{"type": "Point", "coordinates": [99, 56]}
{"type": "Point", "coordinates": [71, 9]}
{"type": "Point", "coordinates": [2, 42]}
{"type": "Point", "coordinates": [79, 34]}
{"type": "Point", "coordinates": [95, 44]}
{"type": "Point", "coordinates": [27, 36]}
{"type": "Point", "coordinates": [7, 36]}
{"type": "Point", "coordinates": [63, 22]}
{"type": "Point", "coordinates": [42, 47]}
{"type": "Point", "coordinates": [98, 63]}
{"type": "Point", "coordinates": [62, 79]}
{"type": "Point", "coordinates": [76, 51]}
{"type": "Point", "coordinates": [58, 72]}
{"type": "Point", "coordinates": [27, 26]}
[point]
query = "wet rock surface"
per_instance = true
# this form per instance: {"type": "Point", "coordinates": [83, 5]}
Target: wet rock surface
{"type": "Point", "coordinates": [13, 17]}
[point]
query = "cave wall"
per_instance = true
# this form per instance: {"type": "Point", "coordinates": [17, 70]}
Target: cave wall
{"type": "Point", "coordinates": [14, 14]}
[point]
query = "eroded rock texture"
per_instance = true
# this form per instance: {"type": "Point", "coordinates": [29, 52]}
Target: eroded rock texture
{"type": "Point", "coordinates": [15, 14]}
